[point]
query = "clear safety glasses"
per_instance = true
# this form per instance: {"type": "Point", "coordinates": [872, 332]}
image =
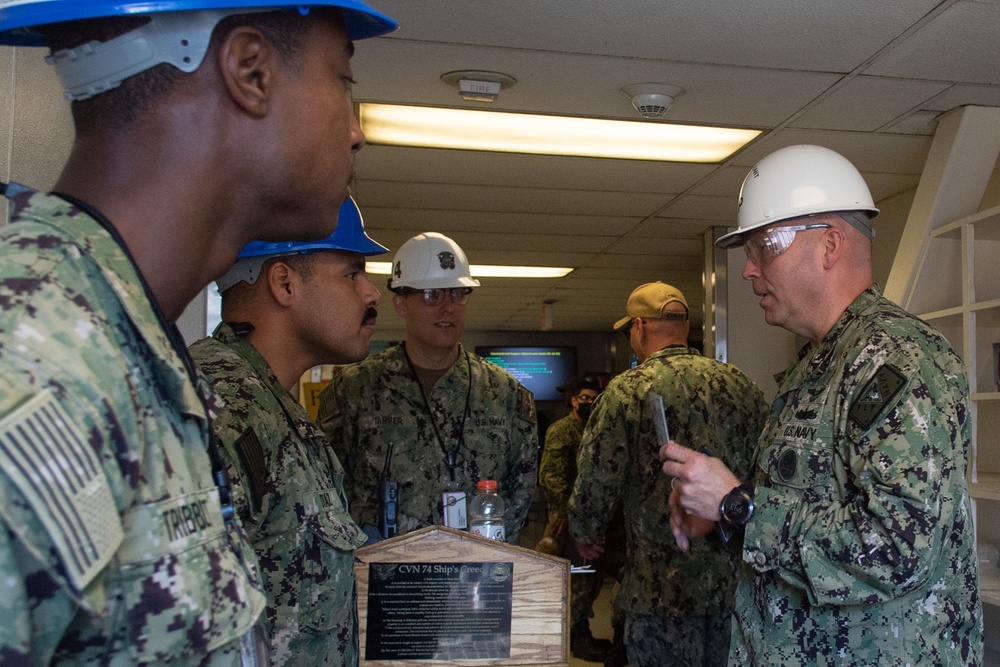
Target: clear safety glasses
{"type": "Point", "coordinates": [434, 297]}
{"type": "Point", "coordinates": [765, 245]}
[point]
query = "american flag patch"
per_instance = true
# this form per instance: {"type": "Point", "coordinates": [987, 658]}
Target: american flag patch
{"type": "Point", "coordinates": [45, 455]}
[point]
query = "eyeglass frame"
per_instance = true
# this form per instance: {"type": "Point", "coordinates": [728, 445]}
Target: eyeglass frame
{"type": "Point", "coordinates": [434, 296]}
{"type": "Point", "coordinates": [763, 233]}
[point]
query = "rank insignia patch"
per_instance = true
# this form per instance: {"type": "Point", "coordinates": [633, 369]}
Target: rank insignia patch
{"type": "Point", "coordinates": [875, 395]}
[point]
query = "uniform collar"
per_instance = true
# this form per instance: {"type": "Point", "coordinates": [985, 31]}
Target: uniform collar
{"type": "Point", "coordinates": [820, 359]}
{"type": "Point", "coordinates": [673, 350]}
{"type": "Point", "coordinates": [224, 333]}
{"type": "Point", "coordinates": [98, 238]}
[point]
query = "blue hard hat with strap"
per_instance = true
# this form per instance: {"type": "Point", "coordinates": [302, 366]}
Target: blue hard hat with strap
{"type": "Point", "coordinates": [350, 236]}
{"type": "Point", "coordinates": [177, 33]}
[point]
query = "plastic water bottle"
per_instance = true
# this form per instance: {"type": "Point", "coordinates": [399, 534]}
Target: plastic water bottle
{"type": "Point", "coordinates": [486, 512]}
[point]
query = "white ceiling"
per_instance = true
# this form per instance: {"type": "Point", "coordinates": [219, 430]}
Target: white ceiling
{"type": "Point", "coordinates": [864, 77]}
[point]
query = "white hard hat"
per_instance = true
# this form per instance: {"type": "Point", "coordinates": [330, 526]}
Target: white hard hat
{"type": "Point", "coordinates": [429, 261]}
{"type": "Point", "coordinates": [797, 181]}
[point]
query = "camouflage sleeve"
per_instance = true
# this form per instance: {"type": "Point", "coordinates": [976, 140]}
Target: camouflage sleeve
{"type": "Point", "coordinates": [341, 431]}
{"type": "Point", "coordinates": [242, 451]}
{"type": "Point", "coordinates": [522, 469]}
{"type": "Point", "coordinates": [328, 414]}
{"type": "Point", "coordinates": [240, 428]}
{"type": "Point", "coordinates": [601, 469]}
{"type": "Point", "coordinates": [554, 469]}
{"type": "Point", "coordinates": [900, 444]}
{"type": "Point", "coordinates": [739, 451]}
{"type": "Point", "coordinates": [22, 642]}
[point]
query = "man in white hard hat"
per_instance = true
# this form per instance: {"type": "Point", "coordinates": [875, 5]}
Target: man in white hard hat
{"type": "Point", "coordinates": [677, 605]}
{"type": "Point", "coordinates": [287, 307]}
{"type": "Point", "coordinates": [197, 130]}
{"type": "Point", "coordinates": [855, 528]}
{"type": "Point", "coordinates": [436, 416]}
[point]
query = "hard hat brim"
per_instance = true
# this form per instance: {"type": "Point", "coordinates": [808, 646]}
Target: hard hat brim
{"type": "Point", "coordinates": [17, 21]}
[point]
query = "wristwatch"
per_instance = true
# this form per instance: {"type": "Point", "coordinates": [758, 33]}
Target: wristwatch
{"type": "Point", "coordinates": [737, 507]}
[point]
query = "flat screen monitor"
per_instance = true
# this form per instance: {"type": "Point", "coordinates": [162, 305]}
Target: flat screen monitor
{"type": "Point", "coordinates": [541, 369]}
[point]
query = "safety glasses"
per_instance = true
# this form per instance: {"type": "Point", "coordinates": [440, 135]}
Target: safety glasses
{"type": "Point", "coordinates": [434, 297]}
{"type": "Point", "coordinates": [764, 246]}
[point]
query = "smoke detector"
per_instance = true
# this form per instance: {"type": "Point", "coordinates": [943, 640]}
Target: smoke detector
{"type": "Point", "coordinates": [477, 85]}
{"type": "Point", "coordinates": [652, 100]}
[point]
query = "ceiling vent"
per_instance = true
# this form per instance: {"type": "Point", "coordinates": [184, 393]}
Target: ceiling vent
{"type": "Point", "coordinates": [652, 100]}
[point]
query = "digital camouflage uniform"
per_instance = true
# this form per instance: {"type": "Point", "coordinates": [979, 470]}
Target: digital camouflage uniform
{"type": "Point", "coordinates": [378, 401]}
{"type": "Point", "coordinates": [861, 550]}
{"type": "Point", "coordinates": [288, 492]}
{"type": "Point", "coordinates": [556, 474]}
{"type": "Point", "coordinates": [114, 550]}
{"type": "Point", "coordinates": [557, 469]}
{"type": "Point", "coordinates": [707, 404]}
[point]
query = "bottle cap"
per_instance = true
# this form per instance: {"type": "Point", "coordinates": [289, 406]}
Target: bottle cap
{"type": "Point", "coordinates": [489, 485]}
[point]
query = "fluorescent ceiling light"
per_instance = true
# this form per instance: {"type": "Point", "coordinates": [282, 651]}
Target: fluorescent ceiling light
{"type": "Point", "coordinates": [488, 270]}
{"type": "Point", "coordinates": [472, 129]}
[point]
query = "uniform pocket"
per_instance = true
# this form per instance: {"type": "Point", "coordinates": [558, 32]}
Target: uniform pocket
{"type": "Point", "coordinates": [188, 597]}
{"type": "Point", "coordinates": [327, 586]}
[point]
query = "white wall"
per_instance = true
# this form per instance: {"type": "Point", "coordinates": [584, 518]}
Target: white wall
{"type": "Point", "coordinates": [755, 347]}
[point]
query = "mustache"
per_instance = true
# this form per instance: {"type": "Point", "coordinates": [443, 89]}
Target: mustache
{"type": "Point", "coordinates": [370, 316]}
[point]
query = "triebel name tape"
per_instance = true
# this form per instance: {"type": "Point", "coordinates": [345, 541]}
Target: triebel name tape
{"type": "Point", "coordinates": [453, 508]}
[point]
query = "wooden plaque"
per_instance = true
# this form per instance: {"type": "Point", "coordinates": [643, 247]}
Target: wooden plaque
{"type": "Point", "coordinates": [439, 596]}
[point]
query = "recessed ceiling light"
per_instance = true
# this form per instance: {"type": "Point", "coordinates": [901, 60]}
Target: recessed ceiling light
{"type": "Point", "coordinates": [474, 129]}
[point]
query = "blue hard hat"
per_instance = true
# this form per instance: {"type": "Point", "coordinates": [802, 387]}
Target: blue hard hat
{"type": "Point", "coordinates": [17, 17]}
{"type": "Point", "coordinates": [350, 235]}
{"type": "Point", "coordinates": [178, 33]}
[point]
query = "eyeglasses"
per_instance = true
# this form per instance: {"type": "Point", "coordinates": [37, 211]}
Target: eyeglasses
{"type": "Point", "coordinates": [435, 296]}
{"type": "Point", "coordinates": [585, 398]}
{"type": "Point", "coordinates": [765, 245]}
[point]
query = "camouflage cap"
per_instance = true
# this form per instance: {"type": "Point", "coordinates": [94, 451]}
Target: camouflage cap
{"type": "Point", "coordinates": [648, 302]}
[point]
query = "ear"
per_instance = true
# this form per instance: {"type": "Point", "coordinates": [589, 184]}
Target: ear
{"type": "Point", "coordinates": [833, 246]}
{"type": "Point", "coordinates": [637, 341]}
{"type": "Point", "coordinates": [399, 303]}
{"type": "Point", "coordinates": [248, 65]}
{"type": "Point", "coordinates": [639, 325]}
{"type": "Point", "coordinates": [283, 283]}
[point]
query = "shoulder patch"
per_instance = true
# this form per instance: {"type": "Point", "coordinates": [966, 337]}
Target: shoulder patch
{"type": "Point", "coordinates": [47, 457]}
{"type": "Point", "coordinates": [880, 391]}
{"type": "Point", "coordinates": [252, 455]}
{"type": "Point", "coordinates": [526, 404]}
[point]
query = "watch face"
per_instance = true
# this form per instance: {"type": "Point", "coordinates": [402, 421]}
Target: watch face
{"type": "Point", "coordinates": [738, 508]}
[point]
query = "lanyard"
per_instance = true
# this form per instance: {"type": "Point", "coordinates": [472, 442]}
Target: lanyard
{"type": "Point", "coordinates": [450, 455]}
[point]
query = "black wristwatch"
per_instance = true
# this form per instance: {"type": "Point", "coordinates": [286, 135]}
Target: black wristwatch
{"type": "Point", "coordinates": [737, 507]}
{"type": "Point", "coordinates": [735, 512]}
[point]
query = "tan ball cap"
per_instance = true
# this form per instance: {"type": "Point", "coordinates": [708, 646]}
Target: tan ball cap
{"type": "Point", "coordinates": [648, 301]}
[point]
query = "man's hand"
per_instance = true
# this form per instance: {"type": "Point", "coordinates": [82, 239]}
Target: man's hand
{"type": "Point", "coordinates": [591, 551]}
{"type": "Point", "coordinates": [699, 485]}
{"type": "Point", "coordinates": [685, 526]}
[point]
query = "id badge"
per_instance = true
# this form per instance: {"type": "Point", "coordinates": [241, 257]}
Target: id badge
{"type": "Point", "coordinates": [453, 509]}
